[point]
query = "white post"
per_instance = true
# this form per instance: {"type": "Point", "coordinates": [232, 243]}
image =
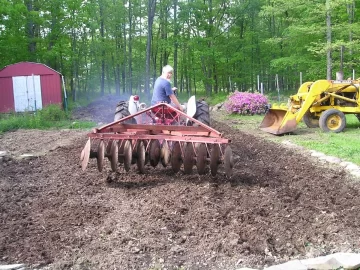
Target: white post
{"type": "Point", "coordinates": [63, 82]}
{"type": "Point", "coordinates": [33, 79]}
{"type": "Point", "coordinates": [258, 82]}
{"type": "Point", "coordinates": [65, 97]}
{"type": "Point", "coordinates": [353, 74]}
{"type": "Point", "coordinates": [262, 88]}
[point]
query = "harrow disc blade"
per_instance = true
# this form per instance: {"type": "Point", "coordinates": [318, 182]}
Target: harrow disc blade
{"type": "Point", "coordinates": [82, 155]}
{"type": "Point", "coordinates": [85, 155]}
{"type": "Point", "coordinates": [189, 156]}
{"type": "Point", "coordinates": [121, 151]}
{"type": "Point", "coordinates": [201, 158]}
{"type": "Point", "coordinates": [214, 159]}
{"type": "Point", "coordinates": [127, 155]}
{"type": "Point", "coordinates": [154, 152]}
{"type": "Point", "coordinates": [108, 149]}
{"type": "Point", "coordinates": [165, 154]}
{"type": "Point", "coordinates": [176, 157]}
{"type": "Point", "coordinates": [147, 158]}
{"type": "Point", "coordinates": [140, 161]}
{"type": "Point", "coordinates": [100, 155]}
{"type": "Point", "coordinates": [114, 156]}
{"type": "Point", "coordinates": [228, 161]}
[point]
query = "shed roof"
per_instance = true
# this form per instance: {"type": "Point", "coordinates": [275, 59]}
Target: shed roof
{"type": "Point", "coordinates": [26, 69]}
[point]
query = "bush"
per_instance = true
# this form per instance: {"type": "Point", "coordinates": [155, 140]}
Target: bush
{"type": "Point", "coordinates": [51, 116]}
{"type": "Point", "coordinates": [52, 113]}
{"type": "Point", "coordinates": [246, 103]}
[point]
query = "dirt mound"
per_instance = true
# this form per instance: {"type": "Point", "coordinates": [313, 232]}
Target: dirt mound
{"type": "Point", "coordinates": [100, 111]}
{"type": "Point", "coordinates": [277, 206]}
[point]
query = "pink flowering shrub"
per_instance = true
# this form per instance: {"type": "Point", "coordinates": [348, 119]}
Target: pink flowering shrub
{"type": "Point", "coordinates": [246, 103]}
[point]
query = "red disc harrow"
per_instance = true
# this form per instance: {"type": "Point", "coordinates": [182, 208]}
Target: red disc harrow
{"type": "Point", "coordinates": [162, 134]}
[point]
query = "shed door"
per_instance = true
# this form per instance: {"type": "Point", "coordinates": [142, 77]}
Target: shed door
{"type": "Point", "coordinates": [27, 93]}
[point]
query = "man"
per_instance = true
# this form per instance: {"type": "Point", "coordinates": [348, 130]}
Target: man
{"type": "Point", "coordinates": [163, 91]}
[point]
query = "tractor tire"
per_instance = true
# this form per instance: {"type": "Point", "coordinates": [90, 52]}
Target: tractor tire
{"type": "Point", "coordinates": [358, 116]}
{"type": "Point", "coordinates": [202, 113]}
{"type": "Point", "coordinates": [332, 120]}
{"type": "Point", "coordinates": [123, 111]}
{"type": "Point", "coordinates": [310, 120]}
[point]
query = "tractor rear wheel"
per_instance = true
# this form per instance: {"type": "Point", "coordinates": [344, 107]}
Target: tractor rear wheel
{"type": "Point", "coordinates": [332, 120]}
{"type": "Point", "coordinates": [310, 120]}
{"type": "Point", "coordinates": [202, 113]}
{"type": "Point", "coordinates": [122, 110]}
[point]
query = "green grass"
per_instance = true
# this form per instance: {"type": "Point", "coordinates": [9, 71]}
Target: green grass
{"type": "Point", "coordinates": [343, 145]}
{"type": "Point", "coordinates": [50, 117]}
{"type": "Point", "coordinates": [216, 99]}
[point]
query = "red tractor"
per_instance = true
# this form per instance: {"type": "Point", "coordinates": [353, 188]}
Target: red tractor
{"type": "Point", "coordinates": [160, 133]}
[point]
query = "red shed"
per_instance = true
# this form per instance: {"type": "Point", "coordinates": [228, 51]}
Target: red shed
{"type": "Point", "coordinates": [28, 86]}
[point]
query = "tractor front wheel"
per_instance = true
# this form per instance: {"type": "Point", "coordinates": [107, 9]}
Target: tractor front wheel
{"type": "Point", "coordinates": [332, 120]}
{"type": "Point", "coordinates": [202, 113]}
{"type": "Point", "coordinates": [122, 110]}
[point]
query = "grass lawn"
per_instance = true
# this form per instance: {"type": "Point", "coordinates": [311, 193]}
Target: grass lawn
{"type": "Point", "coordinates": [48, 118]}
{"type": "Point", "coordinates": [344, 145]}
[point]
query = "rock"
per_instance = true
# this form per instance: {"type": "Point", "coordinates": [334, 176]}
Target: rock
{"type": "Point", "coordinates": [135, 250]}
{"type": "Point", "coordinates": [346, 163]}
{"type": "Point", "coordinates": [317, 154]}
{"type": "Point", "coordinates": [334, 261]}
{"type": "Point", "coordinates": [27, 156]}
{"type": "Point", "coordinates": [3, 153]}
{"type": "Point", "coordinates": [352, 167]}
{"type": "Point", "coordinates": [176, 249]}
{"type": "Point", "coordinates": [291, 144]}
{"type": "Point", "coordinates": [12, 267]}
{"type": "Point", "coordinates": [293, 265]}
{"type": "Point", "coordinates": [331, 159]}
{"type": "Point", "coordinates": [355, 173]}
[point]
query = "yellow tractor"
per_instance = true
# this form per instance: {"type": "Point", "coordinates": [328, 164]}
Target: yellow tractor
{"type": "Point", "coordinates": [322, 103]}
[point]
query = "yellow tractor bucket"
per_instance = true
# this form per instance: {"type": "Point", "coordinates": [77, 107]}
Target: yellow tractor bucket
{"type": "Point", "coordinates": [278, 121]}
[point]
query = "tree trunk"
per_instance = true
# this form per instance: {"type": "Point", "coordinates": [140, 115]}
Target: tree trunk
{"type": "Point", "coordinates": [151, 14]}
{"type": "Point", "coordinates": [123, 72]}
{"type": "Point", "coordinates": [328, 41]}
{"type": "Point", "coordinates": [176, 33]}
{"type": "Point", "coordinates": [351, 14]}
{"type": "Point", "coordinates": [130, 49]}
{"type": "Point", "coordinates": [102, 30]}
{"type": "Point", "coordinates": [31, 29]}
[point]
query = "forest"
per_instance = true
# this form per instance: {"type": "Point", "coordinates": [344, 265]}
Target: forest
{"type": "Point", "coordinates": [120, 46]}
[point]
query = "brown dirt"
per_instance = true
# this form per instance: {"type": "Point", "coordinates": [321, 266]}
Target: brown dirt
{"type": "Point", "coordinates": [279, 205]}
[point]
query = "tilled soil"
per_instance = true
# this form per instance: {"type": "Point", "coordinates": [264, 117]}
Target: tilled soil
{"type": "Point", "coordinates": [279, 205]}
